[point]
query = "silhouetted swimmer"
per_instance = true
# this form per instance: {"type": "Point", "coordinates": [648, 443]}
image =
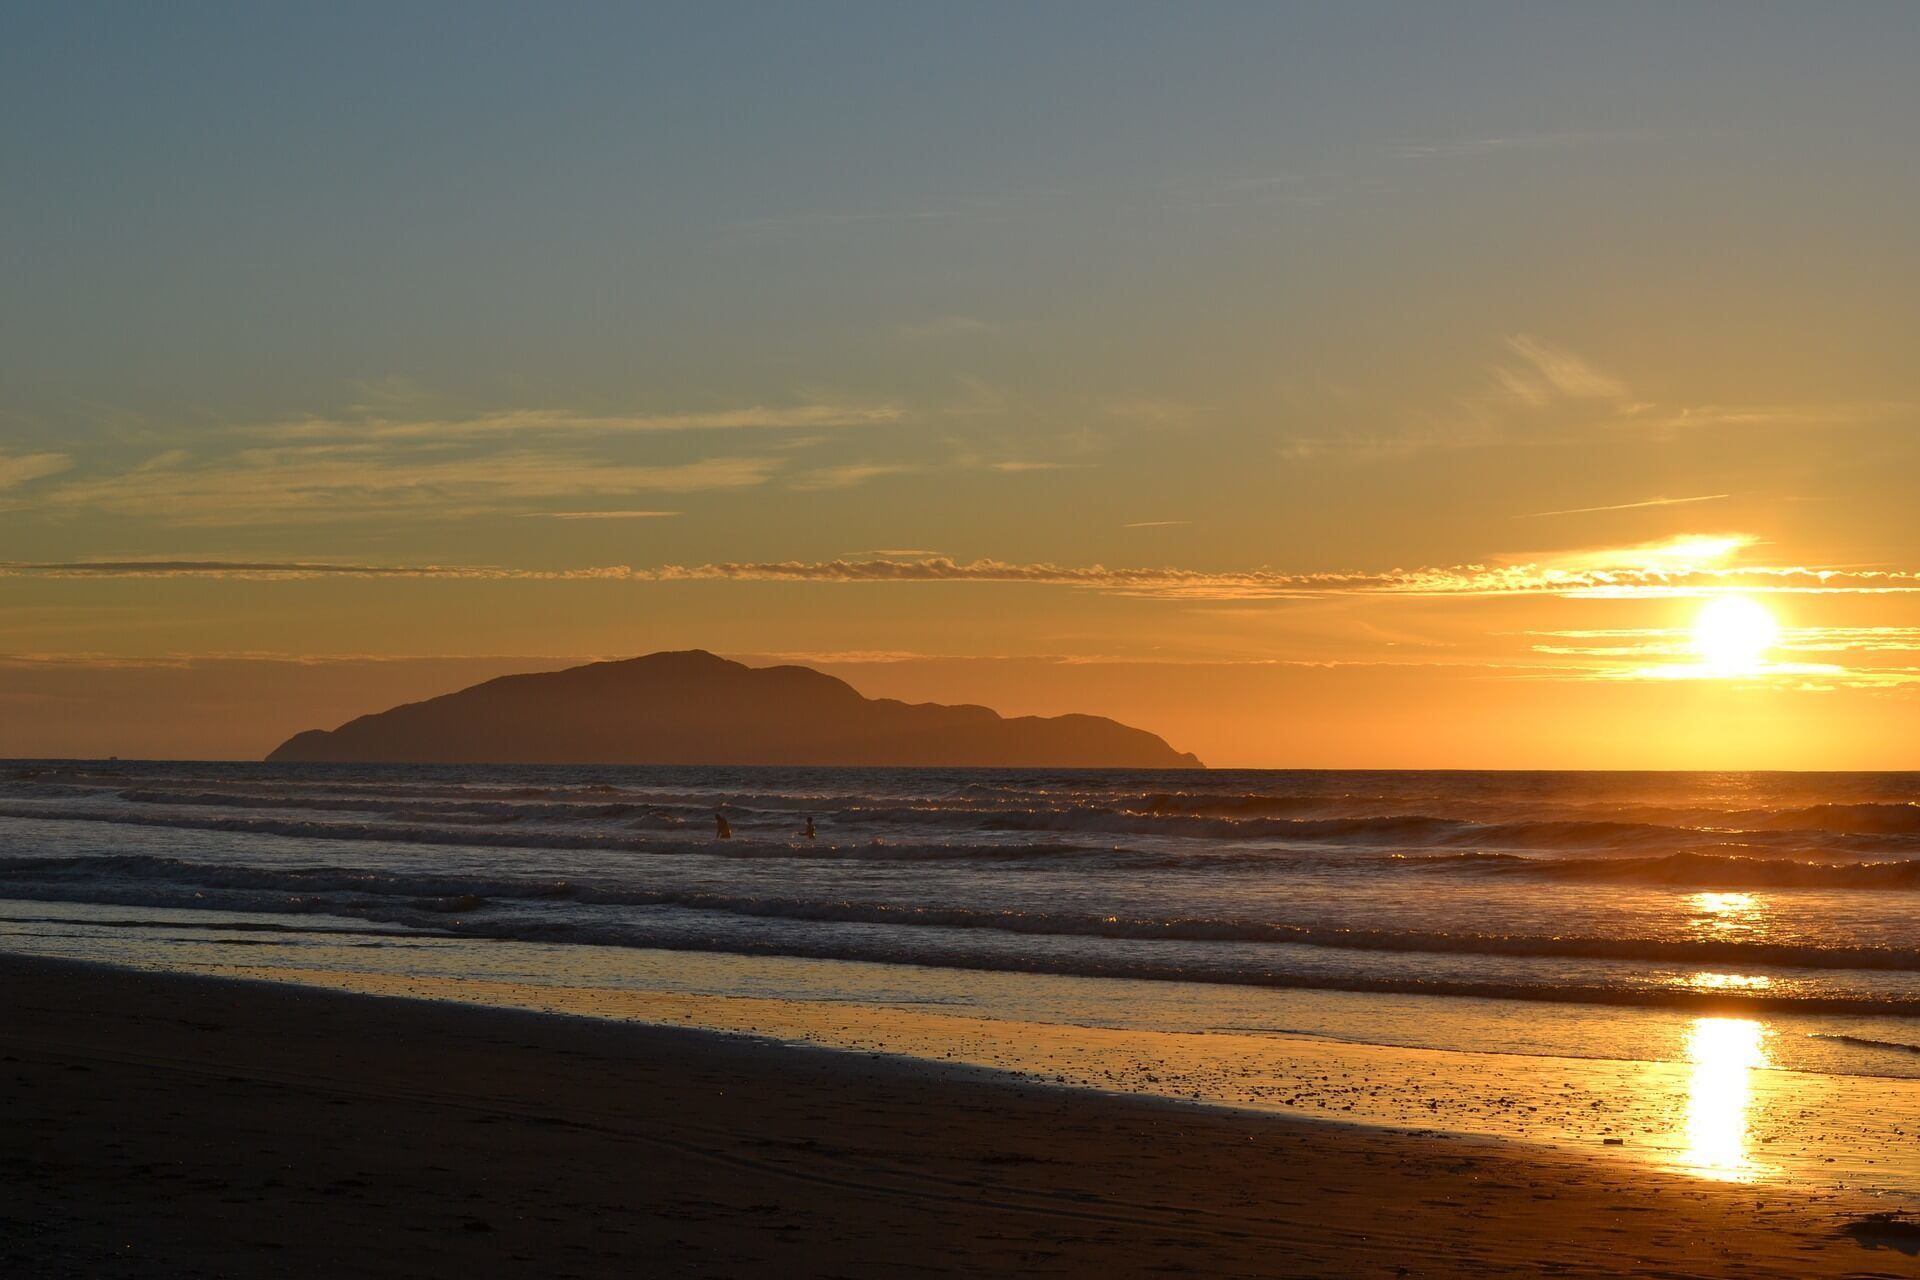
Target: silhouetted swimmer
{"type": "Point", "coordinates": [722, 829]}
{"type": "Point", "coordinates": [809, 833]}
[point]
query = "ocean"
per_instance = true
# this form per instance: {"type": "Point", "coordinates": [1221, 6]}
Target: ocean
{"type": "Point", "coordinates": [1605, 917]}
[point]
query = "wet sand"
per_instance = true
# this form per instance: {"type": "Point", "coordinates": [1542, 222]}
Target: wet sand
{"type": "Point", "coordinates": [1715, 1115]}
{"type": "Point", "coordinates": [169, 1125]}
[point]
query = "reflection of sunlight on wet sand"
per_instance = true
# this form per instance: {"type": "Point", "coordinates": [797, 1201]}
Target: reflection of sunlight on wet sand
{"type": "Point", "coordinates": [1721, 1098]}
{"type": "Point", "coordinates": [1724, 1052]}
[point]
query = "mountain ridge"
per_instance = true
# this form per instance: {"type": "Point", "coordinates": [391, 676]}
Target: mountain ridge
{"type": "Point", "coordinates": [692, 707]}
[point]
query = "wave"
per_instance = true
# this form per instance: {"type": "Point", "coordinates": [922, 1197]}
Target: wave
{"type": "Point", "coordinates": [1880, 817]}
{"type": "Point", "coordinates": [1877, 819]}
{"type": "Point", "coordinates": [1408, 820]}
{"type": "Point", "coordinates": [302, 930]}
{"type": "Point", "coordinates": [466, 837]}
{"type": "Point", "coordinates": [1705, 870]}
{"type": "Point", "coordinates": [465, 916]}
{"type": "Point", "coordinates": [91, 782]}
{"type": "Point", "coordinates": [1234, 806]}
{"type": "Point", "coordinates": [1126, 965]}
{"type": "Point", "coordinates": [1867, 818]}
{"type": "Point", "coordinates": [1864, 1042]}
{"type": "Point", "coordinates": [1713, 871]}
{"type": "Point", "coordinates": [296, 795]}
{"type": "Point", "coordinates": [1408, 828]}
{"type": "Point", "coordinates": [413, 806]}
{"type": "Point", "coordinates": [1404, 830]}
{"type": "Point", "coordinates": [1497, 885]}
{"type": "Point", "coordinates": [478, 891]}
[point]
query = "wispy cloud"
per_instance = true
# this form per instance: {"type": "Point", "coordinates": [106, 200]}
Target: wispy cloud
{"type": "Point", "coordinates": [1363, 447]}
{"type": "Point", "coordinates": [832, 657]}
{"type": "Point", "coordinates": [1807, 658]}
{"type": "Point", "coordinates": [179, 661]}
{"type": "Point", "coordinates": [20, 468]}
{"type": "Point", "coordinates": [1511, 402]}
{"type": "Point", "coordinates": [1493, 144]}
{"type": "Point", "coordinates": [1017, 465]}
{"type": "Point", "coordinates": [1667, 642]}
{"type": "Point", "coordinates": [1463, 580]}
{"type": "Point", "coordinates": [319, 484]}
{"type": "Point", "coordinates": [599, 515]}
{"type": "Point", "coordinates": [1543, 394]}
{"type": "Point", "coordinates": [392, 457]}
{"type": "Point", "coordinates": [1626, 506]}
{"type": "Point", "coordinates": [1685, 552]}
{"type": "Point", "coordinates": [1778, 416]}
{"type": "Point", "coordinates": [1807, 676]}
{"type": "Point", "coordinates": [1155, 524]}
{"type": "Point", "coordinates": [847, 476]}
{"type": "Point", "coordinates": [1551, 373]}
{"type": "Point", "coordinates": [559, 422]}
{"type": "Point", "coordinates": [240, 569]}
{"type": "Point", "coordinates": [1851, 639]}
{"type": "Point", "coordinates": [1697, 566]}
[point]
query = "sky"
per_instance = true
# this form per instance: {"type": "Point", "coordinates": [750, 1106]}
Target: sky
{"type": "Point", "coordinates": [1346, 386]}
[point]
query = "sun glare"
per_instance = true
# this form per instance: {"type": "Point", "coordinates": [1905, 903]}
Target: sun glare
{"type": "Point", "coordinates": [1723, 1053]}
{"type": "Point", "coordinates": [1733, 635]}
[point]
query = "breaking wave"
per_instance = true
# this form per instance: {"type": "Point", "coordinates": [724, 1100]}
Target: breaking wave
{"type": "Point", "coordinates": [362, 885]}
{"type": "Point", "coordinates": [1545, 887]}
{"type": "Point", "coordinates": [1683, 870]}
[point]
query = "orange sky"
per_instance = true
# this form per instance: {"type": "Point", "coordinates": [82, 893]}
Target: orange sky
{"type": "Point", "coordinates": [1307, 389]}
{"type": "Point", "coordinates": [1510, 667]}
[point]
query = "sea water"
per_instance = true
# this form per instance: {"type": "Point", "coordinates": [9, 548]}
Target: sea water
{"type": "Point", "coordinates": [1227, 926]}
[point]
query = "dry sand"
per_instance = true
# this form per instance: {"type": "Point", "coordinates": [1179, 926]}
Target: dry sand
{"type": "Point", "coordinates": [165, 1125]}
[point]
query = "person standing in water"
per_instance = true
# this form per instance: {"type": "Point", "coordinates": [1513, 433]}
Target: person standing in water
{"type": "Point", "coordinates": [722, 829]}
{"type": "Point", "coordinates": [808, 833]}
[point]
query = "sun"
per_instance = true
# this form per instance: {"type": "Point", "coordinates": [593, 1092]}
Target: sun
{"type": "Point", "coordinates": [1733, 634]}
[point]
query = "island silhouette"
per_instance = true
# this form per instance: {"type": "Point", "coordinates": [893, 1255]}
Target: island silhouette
{"type": "Point", "coordinates": [693, 707]}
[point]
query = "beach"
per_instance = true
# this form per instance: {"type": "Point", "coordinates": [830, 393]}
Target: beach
{"type": "Point", "coordinates": [171, 1125]}
{"type": "Point", "coordinates": [418, 1020]}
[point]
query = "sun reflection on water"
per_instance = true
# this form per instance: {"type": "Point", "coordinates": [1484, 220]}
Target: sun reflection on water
{"type": "Point", "coordinates": [1725, 914]}
{"type": "Point", "coordinates": [1724, 1053]}
{"type": "Point", "coordinates": [1728, 981]}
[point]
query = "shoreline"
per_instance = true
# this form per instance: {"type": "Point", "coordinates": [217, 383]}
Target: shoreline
{"type": "Point", "coordinates": [176, 1124]}
{"type": "Point", "coordinates": [1711, 1098]}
